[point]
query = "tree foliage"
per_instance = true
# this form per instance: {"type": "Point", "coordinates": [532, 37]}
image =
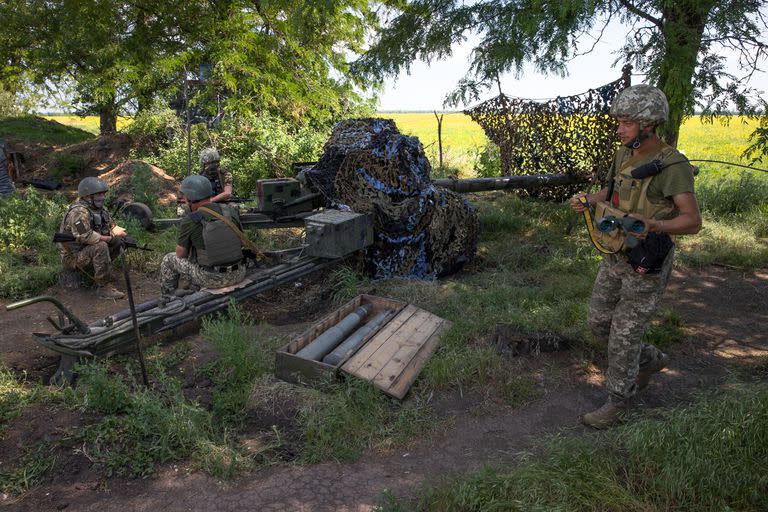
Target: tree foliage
{"type": "Point", "coordinates": [284, 57]}
{"type": "Point", "coordinates": [681, 45]}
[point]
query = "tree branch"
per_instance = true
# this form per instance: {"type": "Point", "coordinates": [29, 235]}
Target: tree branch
{"type": "Point", "coordinates": [639, 12]}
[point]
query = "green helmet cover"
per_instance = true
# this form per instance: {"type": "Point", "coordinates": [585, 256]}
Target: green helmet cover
{"type": "Point", "coordinates": [91, 185]}
{"type": "Point", "coordinates": [196, 188]}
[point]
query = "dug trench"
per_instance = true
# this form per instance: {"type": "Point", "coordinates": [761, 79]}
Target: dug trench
{"type": "Point", "coordinates": [722, 312]}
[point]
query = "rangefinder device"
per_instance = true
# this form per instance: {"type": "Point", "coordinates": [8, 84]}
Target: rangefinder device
{"type": "Point", "coordinates": [628, 224]}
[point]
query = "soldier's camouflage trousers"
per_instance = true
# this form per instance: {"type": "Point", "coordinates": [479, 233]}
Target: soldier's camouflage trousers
{"type": "Point", "coordinates": [621, 305]}
{"type": "Point", "coordinates": [96, 258]}
{"type": "Point", "coordinates": [174, 267]}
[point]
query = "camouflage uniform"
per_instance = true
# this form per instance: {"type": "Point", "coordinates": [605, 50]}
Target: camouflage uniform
{"type": "Point", "coordinates": [87, 223]}
{"type": "Point", "coordinates": [623, 301]}
{"type": "Point", "coordinates": [621, 305]}
{"type": "Point", "coordinates": [174, 267]}
{"type": "Point", "coordinates": [218, 176]}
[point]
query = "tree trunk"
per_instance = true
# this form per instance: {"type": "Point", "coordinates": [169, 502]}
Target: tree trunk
{"type": "Point", "coordinates": [107, 120]}
{"type": "Point", "coordinates": [684, 23]}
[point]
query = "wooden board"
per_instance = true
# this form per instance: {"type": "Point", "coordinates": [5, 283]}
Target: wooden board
{"type": "Point", "coordinates": [394, 357]}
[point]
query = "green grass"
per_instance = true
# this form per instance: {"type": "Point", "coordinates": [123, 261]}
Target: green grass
{"type": "Point", "coordinates": [15, 395]}
{"type": "Point", "coordinates": [240, 363]}
{"type": "Point", "coordinates": [352, 416]}
{"type": "Point", "coordinates": [38, 129]}
{"type": "Point", "coordinates": [28, 471]}
{"type": "Point", "coordinates": [708, 456]}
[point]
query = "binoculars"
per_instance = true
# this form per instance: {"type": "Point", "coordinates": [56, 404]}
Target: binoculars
{"type": "Point", "coordinates": [628, 224]}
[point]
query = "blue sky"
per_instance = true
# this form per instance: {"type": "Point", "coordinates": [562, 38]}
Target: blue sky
{"type": "Point", "coordinates": [427, 85]}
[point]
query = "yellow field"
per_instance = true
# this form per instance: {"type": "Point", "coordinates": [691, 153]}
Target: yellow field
{"type": "Point", "coordinates": [463, 138]}
{"type": "Point", "coordinates": [88, 123]}
{"type": "Point", "coordinates": [461, 135]}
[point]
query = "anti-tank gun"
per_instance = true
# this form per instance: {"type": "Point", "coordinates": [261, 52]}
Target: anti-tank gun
{"type": "Point", "coordinates": [331, 236]}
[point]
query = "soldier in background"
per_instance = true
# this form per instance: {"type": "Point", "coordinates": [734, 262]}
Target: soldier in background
{"type": "Point", "coordinates": [97, 237]}
{"type": "Point", "coordinates": [630, 282]}
{"type": "Point", "coordinates": [6, 180]}
{"type": "Point", "coordinates": [221, 179]}
{"type": "Point", "coordinates": [208, 251]}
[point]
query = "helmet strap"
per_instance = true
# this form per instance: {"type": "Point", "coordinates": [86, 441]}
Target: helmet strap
{"type": "Point", "coordinates": [641, 136]}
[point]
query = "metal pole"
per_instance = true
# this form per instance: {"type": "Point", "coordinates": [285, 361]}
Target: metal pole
{"type": "Point", "coordinates": [186, 107]}
{"type": "Point", "coordinates": [136, 331]}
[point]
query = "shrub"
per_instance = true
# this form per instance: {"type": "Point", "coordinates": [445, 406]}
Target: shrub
{"type": "Point", "coordinates": [155, 128]}
{"type": "Point", "coordinates": [251, 148]}
{"type": "Point", "coordinates": [28, 259]}
{"type": "Point", "coordinates": [486, 161]}
{"type": "Point", "coordinates": [727, 194]}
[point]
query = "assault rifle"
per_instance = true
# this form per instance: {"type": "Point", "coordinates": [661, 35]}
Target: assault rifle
{"type": "Point", "coordinates": [127, 241]}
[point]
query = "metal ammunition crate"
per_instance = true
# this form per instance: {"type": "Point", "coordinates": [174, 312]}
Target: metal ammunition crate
{"type": "Point", "coordinates": [272, 194]}
{"type": "Point", "coordinates": [334, 234]}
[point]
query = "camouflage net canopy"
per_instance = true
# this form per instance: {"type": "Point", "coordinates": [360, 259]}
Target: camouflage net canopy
{"type": "Point", "coordinates": [571, 134]}
{"type": "Point", "coordinates": [420, 231]}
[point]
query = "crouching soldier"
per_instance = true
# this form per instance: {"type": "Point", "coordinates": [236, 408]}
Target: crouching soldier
{"type": "Point", "coordinates": [209, 250]}
{"type": "Point", "coordinates": [96, 237]}
{"type": "Point", "coordinates": [220, 178]}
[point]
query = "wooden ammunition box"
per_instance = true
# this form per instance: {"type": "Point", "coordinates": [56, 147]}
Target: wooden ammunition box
{"type": "Point", "coordinates": [390, 356]}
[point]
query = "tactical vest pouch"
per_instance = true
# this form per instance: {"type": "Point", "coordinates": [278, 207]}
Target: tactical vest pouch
{"type": "Point", "coordinates": [222, 245]}
{"type": "Point", "coordinates": [613, 240]}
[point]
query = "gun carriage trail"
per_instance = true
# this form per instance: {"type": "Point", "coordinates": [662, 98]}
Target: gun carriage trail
{"type": "Point", "coordinates": [723, 311]}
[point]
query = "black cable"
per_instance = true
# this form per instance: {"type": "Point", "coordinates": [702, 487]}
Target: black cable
{"type": "Point", "coordinates": [730, 163]}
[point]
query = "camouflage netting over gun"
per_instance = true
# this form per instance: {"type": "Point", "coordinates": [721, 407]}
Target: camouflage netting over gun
{"type": "Point", "coordinates": [420, 231]}
{"type": "Point", "coordinates": [571, 134]}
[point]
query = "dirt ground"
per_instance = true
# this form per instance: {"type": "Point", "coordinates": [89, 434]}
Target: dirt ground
{"type": "Point", "coordinates": [725, 316]}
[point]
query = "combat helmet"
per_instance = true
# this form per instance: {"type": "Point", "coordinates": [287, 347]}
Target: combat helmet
{"type": "Point", "coordinates": [91, 185]}
{"type": "Point", "coordinates": [641, 103]}
{"type": "Point", "coordinates": [208, 156]}
{"type": "Point", "coordinates": [196, 188]}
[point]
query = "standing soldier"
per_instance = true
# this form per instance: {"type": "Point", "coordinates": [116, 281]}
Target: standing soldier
{"type": "Point", "coordinates": [6, 175]}
{"type": "Point", "coordinates": [209, 250]}
{"type": "Point", "coordinates": [653, 183]}
{"type": "Point", "coordinates": [96, 237]}
{"type": "Point", "coordinates": [221, 179]}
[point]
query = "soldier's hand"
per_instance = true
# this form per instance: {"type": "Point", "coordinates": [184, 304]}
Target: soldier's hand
{"type": "Point", "coordinates": [648, 224]}
{"type": "Point", "coordinates": [577, 205]}
{"type": "Point", "coordinates": [119, 232]}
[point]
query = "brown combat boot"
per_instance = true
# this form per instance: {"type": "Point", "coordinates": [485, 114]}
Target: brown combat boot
{"type": "Point", "coordinates": [108, 291]}
{"type": "Point", "coordinates": [648, 369]}
{"type": "Point", "coordinates": [607, 415]}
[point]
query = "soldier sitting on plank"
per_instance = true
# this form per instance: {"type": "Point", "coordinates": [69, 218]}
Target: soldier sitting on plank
{"type": "Point", "coordinates": [208, 251]}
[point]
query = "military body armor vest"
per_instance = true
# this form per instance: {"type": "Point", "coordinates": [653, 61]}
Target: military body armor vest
{"type": "Point", "coordinates": [98, 224]}
{"type": "Point", "coordinates": [630, 195]}
{"type": "Point", "coordinates": [222, 245]}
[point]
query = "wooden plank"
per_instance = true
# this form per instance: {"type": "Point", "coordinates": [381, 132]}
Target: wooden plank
{"type": "Point", "coordinates": [392, 345]}
{"type": "Point", "coordinates": [410, 345]}
{"type": "Point", "coordinates": [403, 383]}
{"type": "Point", "coordinates": [354, 363]}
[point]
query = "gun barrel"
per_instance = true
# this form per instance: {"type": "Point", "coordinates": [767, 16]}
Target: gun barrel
{"type": "Point", "coordinates": [530, 181]}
